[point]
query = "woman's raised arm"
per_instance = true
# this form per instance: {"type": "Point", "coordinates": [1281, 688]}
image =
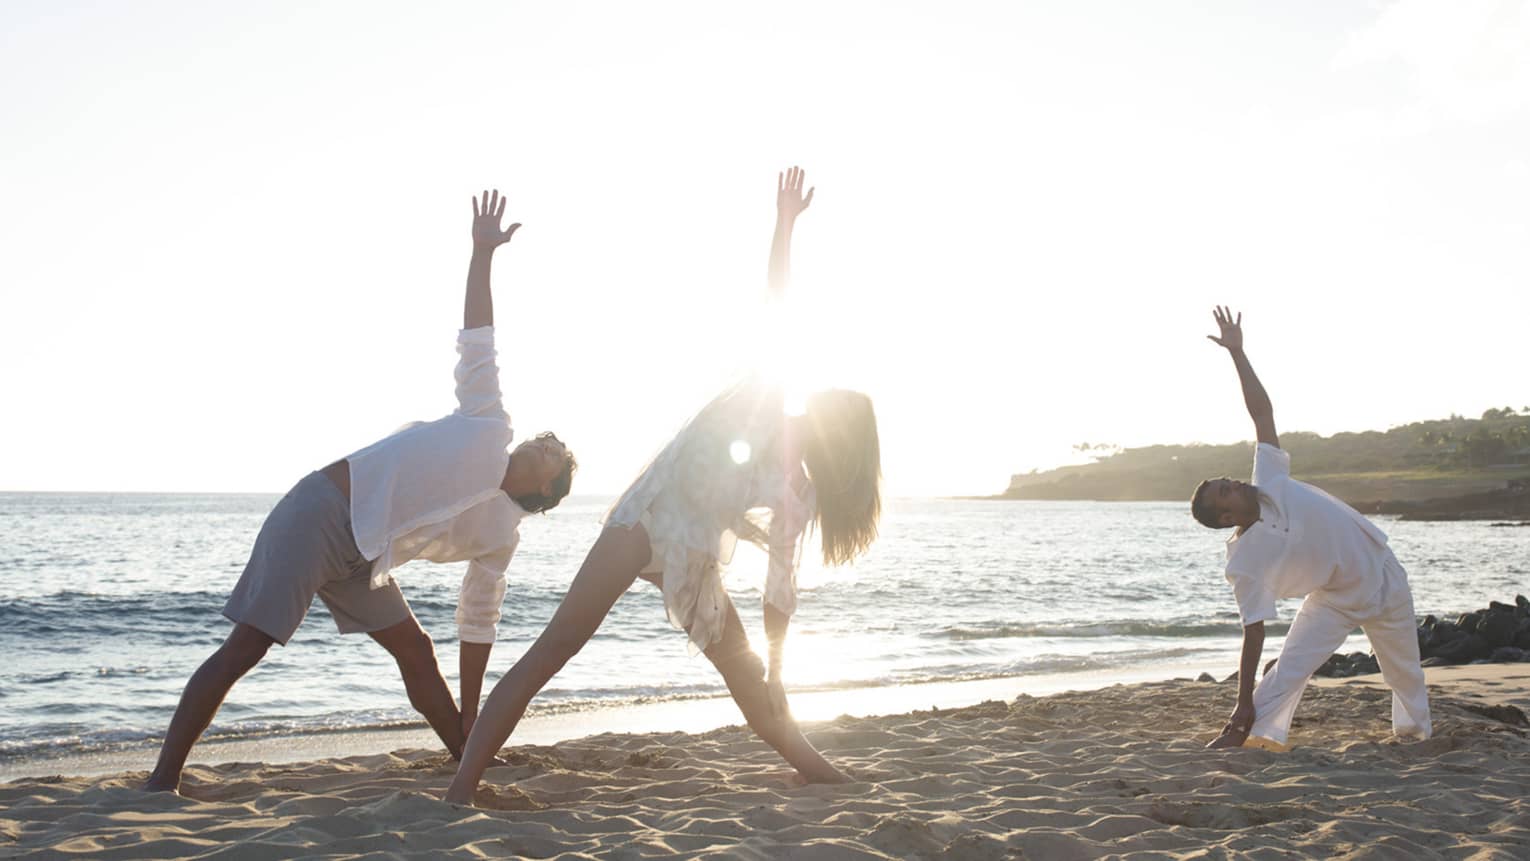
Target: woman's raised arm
{"type": "Point", "coordinates": [790, 202]}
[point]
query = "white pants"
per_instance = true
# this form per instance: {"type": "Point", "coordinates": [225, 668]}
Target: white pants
{"type": "Point", "coordinates": [1320, 629]}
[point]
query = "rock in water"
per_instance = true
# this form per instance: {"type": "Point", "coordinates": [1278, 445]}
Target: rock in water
{"type": "Point", "coordinates": [1498, 627]}
{"type": "Point", "coordinates": [1440, 636]}
{"type": "Point", "coordinates": [1468, 648]}
{"type": "Point", "coordinates": [1352, 664]}
{"type": "Point", "coordinates": [1332, 668]}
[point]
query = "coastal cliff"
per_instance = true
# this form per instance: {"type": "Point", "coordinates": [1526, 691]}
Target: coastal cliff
{"type": "Point", "coordinates": [1453, 468]}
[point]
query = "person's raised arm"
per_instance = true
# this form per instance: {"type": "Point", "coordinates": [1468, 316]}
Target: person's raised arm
{"type": "Point", "coordinates": [790, 202]}
{"type": "Point", "coordinates": [1254, 397]}
{"type": "Point", "coordinates": [478, 308]}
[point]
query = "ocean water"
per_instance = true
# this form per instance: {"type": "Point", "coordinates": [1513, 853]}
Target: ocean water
{"type": "Point", "coordinates": [108, 602]}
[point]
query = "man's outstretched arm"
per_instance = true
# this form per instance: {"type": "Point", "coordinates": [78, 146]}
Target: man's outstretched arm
{"type": "Point", "coordinates": [478, 308]}
{"type": "Point", "coordinates": [1235, 732]}
{"type": "Point", "coordinates": [1254, 396]}
{"type": "Point", "coordinates": [478, 614]}
{"type": "Point", "coordinates": [472, 662]}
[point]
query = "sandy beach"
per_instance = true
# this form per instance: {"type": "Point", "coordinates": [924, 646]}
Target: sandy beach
{"type": "Point", "coordinates": [1114, 771]}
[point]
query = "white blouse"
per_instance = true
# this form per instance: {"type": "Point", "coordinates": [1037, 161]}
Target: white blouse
{"type": "Point", "coordinates": [695, 501]}
{"type": "Point", "coordinates": [431, 490]}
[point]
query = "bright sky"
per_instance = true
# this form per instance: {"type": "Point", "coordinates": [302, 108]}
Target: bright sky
{"type": "Point", "coordinates": [233, 236]}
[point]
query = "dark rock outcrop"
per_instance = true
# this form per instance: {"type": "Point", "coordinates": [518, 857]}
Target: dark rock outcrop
{"type": "Point", "coordinates": [1353, 664]}
{"type": "Point", "coordinates": [1498, 632]}
{"type": "Point", "coordinates": [1508, 503]}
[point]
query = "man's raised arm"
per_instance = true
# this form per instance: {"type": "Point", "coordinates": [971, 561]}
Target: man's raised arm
{"type": "Point", "coordinates": [478, 308]}
{"type": "Point", "coordinates": [1254, 397]}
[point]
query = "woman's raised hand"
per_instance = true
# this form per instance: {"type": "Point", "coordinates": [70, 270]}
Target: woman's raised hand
{"type": "Point", "coordinates": [486, 217]}
{"type": "Point", "coordinates": [790, 201]}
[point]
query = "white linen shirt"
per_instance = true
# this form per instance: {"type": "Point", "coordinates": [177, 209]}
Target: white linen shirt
{"type": "Point", "coordinates": [1305, 542]}
{"type": "Point", "coordinates": [431, 490]}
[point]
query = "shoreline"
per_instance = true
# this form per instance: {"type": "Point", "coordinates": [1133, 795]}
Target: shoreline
{"type": "Point", "coordinates": [1083, 774]}
{"type": "Point", "coordinates": [694, 715]}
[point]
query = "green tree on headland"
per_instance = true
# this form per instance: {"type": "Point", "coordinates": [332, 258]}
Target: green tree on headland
{"type": "Point", "coordinates": [1444, 457]}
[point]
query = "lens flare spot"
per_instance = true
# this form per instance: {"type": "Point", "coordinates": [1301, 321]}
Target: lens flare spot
{"type": "Point", "coordinates": [740, 451]}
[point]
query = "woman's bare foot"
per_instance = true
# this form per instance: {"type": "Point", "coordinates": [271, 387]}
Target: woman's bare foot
{"type": "Point", "coordinates": [828, 774]}
{"type": "Point", "coordinates": [158, 783]}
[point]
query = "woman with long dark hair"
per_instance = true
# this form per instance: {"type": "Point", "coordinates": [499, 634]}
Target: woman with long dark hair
{"type": "Point", "coordinates": [676, 525]}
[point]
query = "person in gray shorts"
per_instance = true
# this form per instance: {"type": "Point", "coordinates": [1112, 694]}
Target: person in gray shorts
{"type": "Point", "coordinates": [307, 548]}
{"type": "Point", "coordinates": [445, 491]}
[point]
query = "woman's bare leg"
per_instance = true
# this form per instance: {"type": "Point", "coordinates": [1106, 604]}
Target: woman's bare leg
{"type": "Point", "coordinates": [611, 566]}
{"type": "Point", "coordinates": [744, 672]}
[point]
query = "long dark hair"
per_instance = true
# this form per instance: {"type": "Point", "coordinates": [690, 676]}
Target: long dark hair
{"type": "Point", "coordinates": [844, 460]}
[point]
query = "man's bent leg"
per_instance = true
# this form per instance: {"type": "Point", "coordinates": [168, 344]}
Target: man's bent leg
{"type": "Point", "coordinates": [204, 693]}
{"type": "Point", "coordinates": [1394, 639]}
{"type": "Point", "coordinates": [299, 546]}
{"type": "Point", "coordinates": [1315, 633]}
{"type": "Point", "coordinates": [415, 654]}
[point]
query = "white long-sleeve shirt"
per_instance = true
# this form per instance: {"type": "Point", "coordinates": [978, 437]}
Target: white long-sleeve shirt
{"type": "Point", "coordinates": [1305, 542]}
{"type": "Point", "coordinates": [431, 490]}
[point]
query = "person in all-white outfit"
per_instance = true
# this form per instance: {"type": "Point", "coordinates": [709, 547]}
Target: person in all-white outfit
{"type": "Point", "coordinates": [1293, 540]}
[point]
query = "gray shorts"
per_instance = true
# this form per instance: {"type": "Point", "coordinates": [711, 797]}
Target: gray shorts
{"type": "Point", "coordinates": [306, 548]}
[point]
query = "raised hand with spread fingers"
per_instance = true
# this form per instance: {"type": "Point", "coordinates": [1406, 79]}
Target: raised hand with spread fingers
{"type": "Point", "coordinates": [790, 203]}
{"type": "Point", "coordinates": [487, 215]}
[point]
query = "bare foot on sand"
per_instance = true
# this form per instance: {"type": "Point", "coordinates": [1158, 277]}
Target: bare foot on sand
{"type": "Point", "coordinates": [1230, 737]}
{"type": "Point", "coordinates": [156, 783]}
